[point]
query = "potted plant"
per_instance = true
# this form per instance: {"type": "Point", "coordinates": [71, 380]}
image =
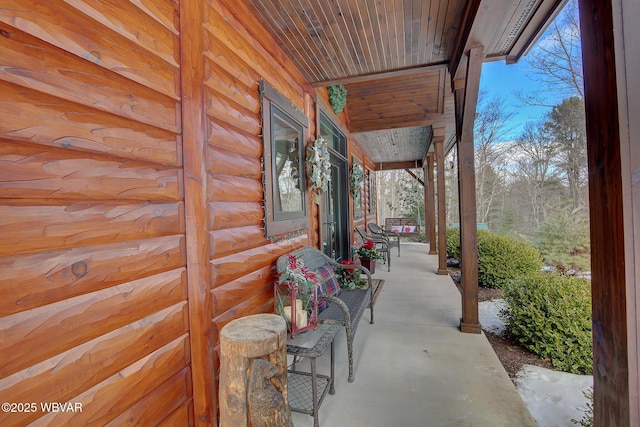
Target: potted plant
{"type": "Point", "coordinates": [349, 276]}
{"type": "Point", "coordinates": [296, 296]}
{"type": "Point", "coordinates": [368, 254]}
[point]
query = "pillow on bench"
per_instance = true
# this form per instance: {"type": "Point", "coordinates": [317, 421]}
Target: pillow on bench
{"type": "Point", "coordinates": [328, 285]}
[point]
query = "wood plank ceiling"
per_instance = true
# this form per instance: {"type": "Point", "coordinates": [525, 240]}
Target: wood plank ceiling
{"type": "Point", "coordinates": [395, 56]}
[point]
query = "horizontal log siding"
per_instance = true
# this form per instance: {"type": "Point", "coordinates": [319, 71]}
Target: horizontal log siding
{"type": "Point", "coordinates": [242, 259]}
{"type": "Point", "coordinates": [93, 288]}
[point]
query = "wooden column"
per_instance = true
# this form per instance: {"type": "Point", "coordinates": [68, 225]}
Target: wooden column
{"type": "Point", "coordinates": [195, 202]}
{"type": "Point", "coordinates": [466, 102]}
{"type": "Point", "coordinates": [426, 191]}
{"type": "Point", "coordinates": [253, 372]}
{"type": "Point", "coordinates": [438, 140]}
{"type": "Point", "coordinates": [431, 208]}
{"type": "Point", "coordinates": [612, 102]}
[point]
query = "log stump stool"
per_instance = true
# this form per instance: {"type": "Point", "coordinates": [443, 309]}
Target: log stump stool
{"type": "Point", "coordinates": [253, 372]}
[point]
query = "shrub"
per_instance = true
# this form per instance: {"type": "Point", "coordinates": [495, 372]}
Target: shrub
{"type": "Point", "coordinates": [503, 258]}
{"type": "Point", "coordinates": [453, 242]}
{"type": "Point", "coordinates": [564, 239]}
{"type": "Point", "coordinates": [500, 258]}
{"type": "Point", "coordinates": [550, 315]}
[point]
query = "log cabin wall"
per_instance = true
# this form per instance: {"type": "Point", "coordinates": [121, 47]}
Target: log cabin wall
{"type": "Point", "coordinates": [101, 162]}
{"type": "Point", "coordinates": [93, 306]}
{"type": "Point", "coordinates": [240, 53]}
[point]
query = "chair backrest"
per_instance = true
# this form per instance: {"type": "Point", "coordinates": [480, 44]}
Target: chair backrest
{"type": "Point", "coordinates": [375, 228]}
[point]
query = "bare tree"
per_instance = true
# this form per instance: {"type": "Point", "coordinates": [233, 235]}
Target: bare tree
{"type": "Point", "coordinates": [490, 130]}
{"type": "Point", "coordinates": [556, 60]}
{"type": "Point", "coordinates": [534, 167]}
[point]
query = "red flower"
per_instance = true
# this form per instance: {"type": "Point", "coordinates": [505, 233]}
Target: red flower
{"type": "Point", "coordinates": [368, 244]}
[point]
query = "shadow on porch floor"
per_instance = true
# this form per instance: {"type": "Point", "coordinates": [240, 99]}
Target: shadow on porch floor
{"type": "Point", "coordinates": [413, 367]}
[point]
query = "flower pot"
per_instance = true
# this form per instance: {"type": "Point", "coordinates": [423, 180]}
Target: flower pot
{"type": "Point", "coordinates": [369, 264]}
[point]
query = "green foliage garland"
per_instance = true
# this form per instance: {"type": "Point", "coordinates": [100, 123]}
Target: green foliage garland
{"type": "Point", "coordinates": [337, 97]}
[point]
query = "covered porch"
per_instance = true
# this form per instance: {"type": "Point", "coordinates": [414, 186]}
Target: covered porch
{"type": "Point", "coordinates": [413, 367]}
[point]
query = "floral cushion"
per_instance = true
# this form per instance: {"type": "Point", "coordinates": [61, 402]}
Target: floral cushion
{"type": "Point", "coordinates": [328, 285]}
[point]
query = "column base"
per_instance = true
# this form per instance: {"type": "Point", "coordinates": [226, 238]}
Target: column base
{"type": "Point", "coordinates": [470, 328]}
{"type": "Point", "coordinates": [433, 252]}
{"type": "Point", "coordinates": [443, 272]}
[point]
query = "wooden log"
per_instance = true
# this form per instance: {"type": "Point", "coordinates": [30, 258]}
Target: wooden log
{"type": "Point", "coordinates": [162, 11]}
{"type": "Point", "coordinates": [228, 295]}
{"type": "Point", "coordinates": [182, 416]}
{"type": "Point", "coordinates": [103, 402]}
{"type": "Point", "coordinates": [38, 227]}
{"type": "Point", "coordinates": [221, 135]}
{"type": "Point", "coordinates": [238, 239]}
{"type": "Point", "coordinates": [224, 83]}
{"type": "Point", "coordinates": [61, 25]}
{"type": "Point", "coordinates": [140, 28]}
{"type": "Point", "coordinates": [226, 29]}
{"type": "Point", "coordinates": [226, 188]}
{"type": "Point", "coordinates": [154, 407]}
{"type": "Point", "coordinates": [233, 266]}
{"type": "Point", "coordinates": [226, 162]}
{"type": "Point", "coordinates": [34, 280]}
{"type": "Point", "coordinates": [35, 171]}
{"type": "Point", "coordinates": [99, 359]}
{"type": "Point", "coordinates": [254, 30]}
{"type": "Point", "coordinates": [69, 77]}
{"type": "Point", "coordinates": [237, 214]}
{"type": "Point", "coordinates": [227, 111]}
{"type": "Point", "coordinates": [226, 59]}
{"type": "Point", "coordinates": [32, 116]}
{"type": "Point", "coordinates": [260, 337]}
{"type": "Point", "coordinates": [261, 302]}
{"type": "Point", "coordinates": [33, 336]}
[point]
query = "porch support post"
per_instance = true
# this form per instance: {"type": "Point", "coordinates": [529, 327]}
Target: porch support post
{"type": "Point", "coordinates": [612, 100]}
{"type": "Point", "coordinates": [430, 211]}
{"type": "Point", "coordinates": [438, 140]}
{"type": "Point", "coordinates": [466, 102]}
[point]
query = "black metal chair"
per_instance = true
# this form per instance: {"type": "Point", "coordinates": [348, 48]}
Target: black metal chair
{"type": "Point", "coordinates": [382, 243]}
{"type": "Point", "coordinates": [376, 230]}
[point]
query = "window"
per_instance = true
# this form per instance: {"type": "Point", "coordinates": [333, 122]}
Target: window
{"type": "Point", "coordinates": [334, 137]}
{"type": "Point", "coordinates": [284, 131]}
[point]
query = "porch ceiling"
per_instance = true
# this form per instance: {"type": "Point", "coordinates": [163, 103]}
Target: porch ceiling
{"type": "Point", "coordinates": [397, 58]}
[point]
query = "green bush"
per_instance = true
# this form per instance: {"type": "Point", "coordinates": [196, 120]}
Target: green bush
{"type": "Point", "coordinates": [504, 258]}
{"type": "Point", "coordinates": [500, 258]}
{"type": "Point", "coordinates": [453, 242]}
{"type": "Point", "coordinates": [550, 315]}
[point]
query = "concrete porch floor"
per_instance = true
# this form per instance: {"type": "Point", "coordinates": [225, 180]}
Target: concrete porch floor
{"type": "Point", "coordinates": [413, 367]}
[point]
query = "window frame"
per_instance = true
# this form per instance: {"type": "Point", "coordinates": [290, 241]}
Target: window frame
{"type": "Point", "coordinates": [273, 103]}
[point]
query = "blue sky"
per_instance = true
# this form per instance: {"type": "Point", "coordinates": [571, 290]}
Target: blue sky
{"type": "Point", "coordinates": [501, 80]}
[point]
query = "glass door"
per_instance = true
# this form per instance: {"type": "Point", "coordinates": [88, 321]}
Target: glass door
{"type": "Point", "coordinates": [334, 211]}
{"type": "Point", "coordinates": [334, 205]}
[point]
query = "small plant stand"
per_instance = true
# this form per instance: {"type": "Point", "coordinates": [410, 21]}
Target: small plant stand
{"type": "Point", "coordinates": [307, 390]}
